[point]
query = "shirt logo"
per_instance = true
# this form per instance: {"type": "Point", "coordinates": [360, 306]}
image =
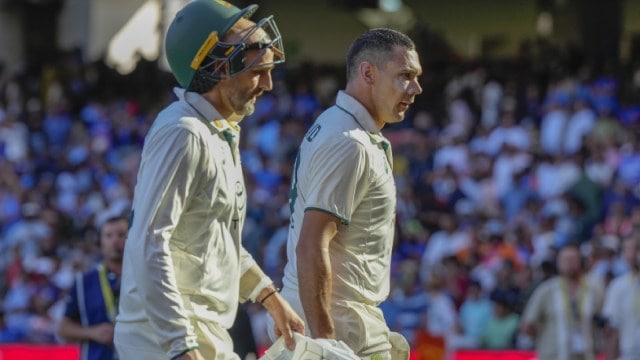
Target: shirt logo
{"type": "Point", "coordinates": [240, 199]}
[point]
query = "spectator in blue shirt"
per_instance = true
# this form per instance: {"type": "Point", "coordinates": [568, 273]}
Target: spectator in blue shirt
{"type": "Point", "coordinates": [475, 311]}
{"type": "Point", "coordinates": [92, 301]}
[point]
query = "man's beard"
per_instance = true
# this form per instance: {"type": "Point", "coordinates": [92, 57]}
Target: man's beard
{"type": "Point", "coordinates": [247, 109]}
{"type": "Point", "coordinates": [244, 106]}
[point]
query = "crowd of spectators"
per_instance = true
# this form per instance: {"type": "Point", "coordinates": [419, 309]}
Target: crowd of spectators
{"type": "Point", "coordinates": [495, 171]}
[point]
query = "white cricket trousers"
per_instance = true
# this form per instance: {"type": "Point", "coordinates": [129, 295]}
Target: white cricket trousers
{"type": "Point", "coordinates": [137, 341]}
{"type": "Point", "coordinates": [362, 327]}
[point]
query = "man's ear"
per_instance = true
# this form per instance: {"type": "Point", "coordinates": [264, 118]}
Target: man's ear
{"type": "Point", "coordinates": [367, 72]}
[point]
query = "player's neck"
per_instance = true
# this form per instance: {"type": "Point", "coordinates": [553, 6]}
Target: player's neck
{"type": "Point", "coordinates": [114, 266]}
{"type": "Point", "coordinates": [573, 280]}
{"type": "Point", "coordinates": [362, 93]}
{"type": "Point", "coordinates": [215, 98]}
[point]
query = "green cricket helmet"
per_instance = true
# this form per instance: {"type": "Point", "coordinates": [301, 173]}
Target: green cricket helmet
{"type": "Point", "coordinates": [196, 53]}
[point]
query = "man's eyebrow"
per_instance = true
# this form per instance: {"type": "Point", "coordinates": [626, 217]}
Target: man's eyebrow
{"type": "Point", "coordinates": [261, 67]}
{"type": "Point", "coordinates": [412, 70]}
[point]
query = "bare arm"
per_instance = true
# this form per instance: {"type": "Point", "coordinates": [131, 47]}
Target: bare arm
{"type": "Point", "coordinates": [286, 320]}
{"type": "Point", "coordinates": [314, 271]}
{"type": "Point", "coordinates": [255, 285]}
{"type": "Point", "coordinates": [74, 331]}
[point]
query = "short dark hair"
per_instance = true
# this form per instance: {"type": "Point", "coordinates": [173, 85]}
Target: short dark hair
{"type": "Point", "coordinates": [202, 82]}
{"type": "Point", "coordinates": [124, 216]}
{"type": "Point", "coordinates": [375, 46]}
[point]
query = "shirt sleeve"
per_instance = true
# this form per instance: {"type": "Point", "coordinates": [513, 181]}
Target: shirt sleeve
{"type": "Point", "coordinates": [336, 183]}
{"type": "Point", "coordinates": [253, 279]}
{"type": "Point", "coordinates": [166, 178]}
{"type": "Point", "coordinates": [533, 311]}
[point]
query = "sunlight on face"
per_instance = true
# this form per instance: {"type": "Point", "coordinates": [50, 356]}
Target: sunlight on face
{"type": "Point", "coordinates": [243, 89]}
{"type": "Point", "coordinates": [246, 87]}
{"type": "Point", "coordinates": [396, 86]}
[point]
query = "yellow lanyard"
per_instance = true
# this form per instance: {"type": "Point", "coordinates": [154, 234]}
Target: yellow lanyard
{"type": "Point", "coordinates": [107, 293]}
{"type": "Point", "coordinates": [573, 310]}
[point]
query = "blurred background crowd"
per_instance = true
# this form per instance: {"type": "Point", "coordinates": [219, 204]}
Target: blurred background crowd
{"type": "Point", "coordinates": [499, 163]}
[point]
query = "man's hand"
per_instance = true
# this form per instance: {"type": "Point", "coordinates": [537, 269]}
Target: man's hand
{"type": "Point", "coordinates": [286, 320]}
{"type": "Point", "coordinates": [191, 355]}
{"type": "Point", "coordinates": [102, 333]}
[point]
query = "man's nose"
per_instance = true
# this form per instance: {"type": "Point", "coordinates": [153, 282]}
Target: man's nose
{"type": "Point", "coordinates": [266, 83]}
{"type": "Point", "coordinates": [416, 89]}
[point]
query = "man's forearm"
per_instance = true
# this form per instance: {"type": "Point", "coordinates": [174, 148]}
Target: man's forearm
{"type": "Point", "coordinates": [72, 331]}
{"type": "Point", "coordinates": [315, 293]}
{"type": "Point", "coordinates": [314, 271]}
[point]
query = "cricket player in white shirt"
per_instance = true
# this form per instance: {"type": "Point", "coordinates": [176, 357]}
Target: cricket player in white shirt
{"type": "Point", "coordinates": [343, 200]}
{"type": "Point", "coordinates": [621, 309]}
{"type": "Point", "coordinates": [185, 270]}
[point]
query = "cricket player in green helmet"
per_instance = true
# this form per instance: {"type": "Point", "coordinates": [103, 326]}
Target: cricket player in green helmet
{"type": "Point", "coordinates": [185, 270]}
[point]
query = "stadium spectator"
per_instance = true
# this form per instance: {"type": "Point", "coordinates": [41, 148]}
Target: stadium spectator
{"type": "Point", "coordinates": [560, 312]}
{"type": "Point", "coordinates": [92, 301]}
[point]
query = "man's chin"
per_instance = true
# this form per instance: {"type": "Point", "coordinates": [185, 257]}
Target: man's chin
{"type": "Point", "coordinates": [246, 110]}
{"type": "Point", "coordinates": [396, 118]}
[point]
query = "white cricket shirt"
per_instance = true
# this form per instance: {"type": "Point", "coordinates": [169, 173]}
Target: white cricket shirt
{"type": "Point", "coordinates": [344, 168]}
{"type": "Point", "coordinates": [183, 258]}
{"type": "Point", "coordinates": [622, 309]}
